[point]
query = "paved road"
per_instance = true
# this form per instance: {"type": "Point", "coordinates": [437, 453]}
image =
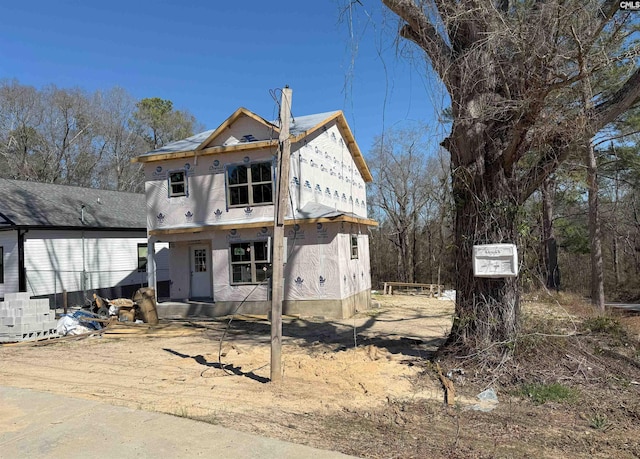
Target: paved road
{"type": "Point", "coordinates": [626, 306]}
{"type": "Point", "coordinates": [43, 425]}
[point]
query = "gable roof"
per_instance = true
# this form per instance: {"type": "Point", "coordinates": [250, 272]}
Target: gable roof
{"type": "Point", "coordinates": [301, 127]}
{"type": "Point", "coordinates": [34, 204]}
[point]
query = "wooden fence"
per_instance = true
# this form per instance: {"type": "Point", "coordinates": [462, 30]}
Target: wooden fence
{"type": "Point", "coordinates": [434, 289]}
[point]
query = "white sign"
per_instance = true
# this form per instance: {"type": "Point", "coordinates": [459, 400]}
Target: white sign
{"type": "Point", "coordinates": [630, 6]}
{"type": "Point", "coordinates": [495, 260]}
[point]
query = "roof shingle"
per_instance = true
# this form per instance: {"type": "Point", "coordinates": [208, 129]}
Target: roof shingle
{"type": "Point", "coordinates": [50, 205]}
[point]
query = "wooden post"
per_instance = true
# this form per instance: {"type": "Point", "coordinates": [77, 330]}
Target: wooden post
{"type": "Point", "coordinates": [64, 300]}
{"type": "Point", "coordinates": [282, 198]}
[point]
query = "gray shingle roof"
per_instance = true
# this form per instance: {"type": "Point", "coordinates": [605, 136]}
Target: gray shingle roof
{"type": "Point", "coordinates": [313, 210]}
{"type": "Point", "coordinates": [299, 125]}
{"type": "Point", "coordinates": [188, 144]}
{"type": "Point", "coordinates": [45, 204]}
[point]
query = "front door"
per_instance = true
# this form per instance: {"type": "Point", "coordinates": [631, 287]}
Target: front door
{"type": "Point", "coordinates": [200, 271]}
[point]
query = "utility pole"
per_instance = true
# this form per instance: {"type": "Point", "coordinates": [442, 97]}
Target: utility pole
{"type": "Point", "coordinates": [282, 195]}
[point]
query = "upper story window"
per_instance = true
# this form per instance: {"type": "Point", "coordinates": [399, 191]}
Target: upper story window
{"type": "Point", "coordinates": [354, 246]}
{"type": "Point", "coordinates": [178, 184]}
{"type": "Point", "coordinates": [249, 184]}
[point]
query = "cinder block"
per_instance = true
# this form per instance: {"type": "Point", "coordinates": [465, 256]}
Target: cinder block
{"type": "Point", "coordinates": [7, 320]}
{"type": "Point", "coordinates": [40, 317]}
{"type": "Point", "coordinates": [26, 320]}
{"type": "Point", "coordinates": [7, 312]}
{"type": "Point", "coordinates": [16, 329]}
{"type": "Point", "coordinates": [16, 296]}
{"type": "Point", "coordinates": [26, 310]}
{"type": "Point", "coordinates": [10, 338]}
{"type": "Point", "coordinates": [20, 304]}
{"type": "Point", "coordinates": [42, 304]}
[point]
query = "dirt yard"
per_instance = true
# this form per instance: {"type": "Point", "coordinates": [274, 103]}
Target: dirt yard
{"type": "Point", "coordinates": [363, 386]}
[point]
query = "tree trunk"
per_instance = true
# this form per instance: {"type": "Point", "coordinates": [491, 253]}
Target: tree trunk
{"type": "Point", "coordinates": [615, 249]}
{"type": "Point", "coordinates": [549, 244]}
{"type": "Point", "coordinates": [487, 310]}
{"type": "Point", "coordinates": [597, 274]}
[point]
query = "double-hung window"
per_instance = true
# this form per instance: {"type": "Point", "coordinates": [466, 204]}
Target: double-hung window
{"type": "Point", "coordinates": [354, 246]}
{"type": "Point", "coordinates": [178, 184]}
{"type": "Point", "coordinates": [250, 262]}
{"type": "Point", "coordinates": [142, 257]}
{"type": "Point", "coordinates": [249, 184]}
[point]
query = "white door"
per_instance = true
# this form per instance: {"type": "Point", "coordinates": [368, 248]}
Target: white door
{"type": "Point", "coordinates": [200, 271]}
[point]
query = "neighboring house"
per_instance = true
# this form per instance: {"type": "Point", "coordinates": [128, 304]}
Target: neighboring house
{"type": "Point", "coordinates": [82, 240]}
{"type": "Point", "coordinates": [211, 197]}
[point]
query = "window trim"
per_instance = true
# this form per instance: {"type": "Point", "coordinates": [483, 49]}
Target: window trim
{"type": "Point", "coordinates": [184, 182]}
{"type": "Point", "coordinates": [354, 246]}
{"type": "Point", "coordinates": [252, 261]}
{"type": "Point", "coordinates": [142, 261]}
{"type": "Point", "coordinates": [249, 185]}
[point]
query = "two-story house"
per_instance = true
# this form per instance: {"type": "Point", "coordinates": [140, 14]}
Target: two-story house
{"type": "Point", "coordinates": [211, 197]}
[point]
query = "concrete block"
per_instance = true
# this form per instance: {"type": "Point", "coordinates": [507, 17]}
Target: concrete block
{"type": "Point", "coordinates": [42, 304]}
{"type": "Point", "coordinates": [26, 310]}
{"type": "Point", "coordinates": [26, 320]}
{"type": "Point", "coordinates": [7, 321]}
{"type": "Point", "coordinates": [15, 329]}
{"type": "Point", "coordinates": [44, 317]}
{"type": "Point", "coordinates": [17, 296]}
{"type": "Point", "coordinates": [7, 312]}
{"type": "Point", "coordinates": [10, 338]}
{"type": "Point", "coordinates": [21, 304]}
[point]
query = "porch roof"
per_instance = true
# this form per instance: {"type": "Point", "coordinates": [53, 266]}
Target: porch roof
{"type": "Point", "coordinates": [310, 213]}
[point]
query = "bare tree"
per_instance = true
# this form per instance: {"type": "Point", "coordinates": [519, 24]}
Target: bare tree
{"type": "Point", "coordinates": [401, 191]}
{"type": "Point", "coordinates": [549, 243]}
{"type": "Point", "coordinates": [69, 136]}
{"type": "Point", "coordinates": [121, 143]}
{"type": "Point", "coordinates": [507, 66]}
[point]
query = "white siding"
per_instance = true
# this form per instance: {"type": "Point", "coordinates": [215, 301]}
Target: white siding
{"type": "Point", "coordinates": [54, 260]}
{"type": "Point", "coordinates": [9, 243]}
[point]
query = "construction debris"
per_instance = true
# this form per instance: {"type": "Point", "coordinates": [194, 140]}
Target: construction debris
{"type": "Point", "coordinates": [142, 307]}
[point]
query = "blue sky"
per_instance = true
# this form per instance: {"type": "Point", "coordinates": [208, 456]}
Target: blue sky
{"type": "Point", "coordinates": [212, 57]}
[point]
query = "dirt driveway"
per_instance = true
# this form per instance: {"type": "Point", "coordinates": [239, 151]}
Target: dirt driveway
{"type": "Point", "coordinates": [183, 368]}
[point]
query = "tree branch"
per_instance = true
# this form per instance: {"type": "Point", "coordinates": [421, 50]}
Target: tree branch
{"type": "Point", "coordinates": [625, 98]}
{"type": "Point", "coordinates": [420, 30]}
{"type": "Point", "coordinates": [559, 150]}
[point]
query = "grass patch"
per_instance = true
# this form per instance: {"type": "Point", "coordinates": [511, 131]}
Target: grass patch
{"type": "Point", "coordinates": [599, 421]}
{"type": "Point", "coordinates": [605, 325]}
{"type": "Point", "coordinates": [543, 393]}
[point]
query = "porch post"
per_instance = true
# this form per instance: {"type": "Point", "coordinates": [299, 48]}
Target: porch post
{"type": "Point", "coordinates": [151, 263]}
